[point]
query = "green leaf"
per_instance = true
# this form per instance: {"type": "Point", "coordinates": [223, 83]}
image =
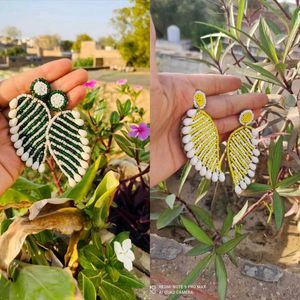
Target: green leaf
{"type": "Point", "coordinates": [274, 160]}
{"type": "Point", "coordinates": [14, 198]}
{"type": "Point", "coordinates": [278, 207]}
{"type": "Point", "coordinates": [81, 190]}
{"type": "Point", "coordinates": [41, 282]}
{"type": "Point", "coordinates": [4, 287]}
{"type": "Point", "coordinates": [170, 200]}
{"type": "Point", "coordinates": [259, 69]}
{"type": "Point", "coordinates": [114, 118]}
{"type": "Point", "coordinates": [258, 187]}
{"type": "Point", "coordinates": [240, 16]}
{"type": "Point", "coordinates": [90, 257]}
{"type": "Point", "coordinates": [117, 291]}
{"type": "Point", "coordinates": [185, 172]}
{"type": "Point", "coordinates": [267, 41]}
{"type": "Point", "coordinates": [221, 277]}
{"type": "Point", "coordinates": [196, 231]}
{"type": "Point", "coordinates": [289, 181]}
{"type": "Point", "coordinates": [202, 215]}
{"type": "Point", "coordinates": [199, 249]}
{"type": "Point", "coordinates": [227, 223]}
{"type": "Point", "coordinates": [130, 280]}
{"type": "Point", "coordinates": [240, 214]}
{"type": "Point", "coordinates": [192, 276]}
{"type": "Point", "coordinates": [231, 244]}
{"type": "Point", "coordinates": [168, 215]}
{"type": "Point", "coordinates": [293, 33]}
{"type": "Point", "coordinates": [202, 189]}
{"type": "Point", "coordinates": [87, 288]}
{"type": "Point", "coordinates": [124, 144]}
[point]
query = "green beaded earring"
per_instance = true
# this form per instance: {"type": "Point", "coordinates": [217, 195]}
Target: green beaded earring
{"type": "Point", "coordinates": [34, 131]}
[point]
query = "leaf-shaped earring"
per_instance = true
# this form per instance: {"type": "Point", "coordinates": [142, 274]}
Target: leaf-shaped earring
{"type": "Point", "coordinates": [242, 152]}
{"type": "Point", "coordinates": [201, 140]}
{"type": "Point", "coordinates": [33, 131]}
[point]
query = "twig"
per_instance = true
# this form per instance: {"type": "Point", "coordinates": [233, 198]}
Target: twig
{"type": "Point", "coordinates": [282, 9]}
{"type": "Point", "coordinates": [56, 181]}
{"type": "Point", "coordinates": [137, 175]}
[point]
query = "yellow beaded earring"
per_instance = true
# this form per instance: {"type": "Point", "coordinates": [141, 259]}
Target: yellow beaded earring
{"type": "Point", "coordinates": [201, 140]}
{"type": "Point", "coordinates": [242, 152]}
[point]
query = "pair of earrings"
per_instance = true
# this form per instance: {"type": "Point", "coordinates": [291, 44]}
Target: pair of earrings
{"type": "Point", "coordinates": [201, 144]}
{"type": "Point", "coordinates": [35, 131]}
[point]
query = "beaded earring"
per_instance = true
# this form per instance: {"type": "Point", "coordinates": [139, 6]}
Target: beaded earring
{"type": "Point", "coordinates": [242, 152]}
{"type": "Point", "coordinates": [201, 140]}
{"type": "Point", "coordinates": [34, 131]}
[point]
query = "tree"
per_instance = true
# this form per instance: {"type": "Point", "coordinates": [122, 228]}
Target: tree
{"type": "Point", "coordinates": [47, 41]}
{"type": "Point", "coordinates": [107, 41]}
{"type": "Point", "coordinates": [132, 24]}
{"type": "Point", "coordinates": [80, 38]}
{"type": "Point", "coordinates": [66, 45]}
{"type": "Point", "coordinates": [12, 32]}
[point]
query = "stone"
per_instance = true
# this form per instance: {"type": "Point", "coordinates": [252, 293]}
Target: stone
{"type": "Point", "coordinates": [173, 33]}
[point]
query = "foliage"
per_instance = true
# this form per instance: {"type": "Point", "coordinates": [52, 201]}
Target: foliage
{"type": "Point", "coordinates": [64, 231]}
{"type": "Point", "coordinates": [13, 51]}
{"type": "Point", "coordinates": [132, 24]}
{"type": "Point", "coordinates": [262, 51]}
{"type": "Point", "coordinates": [12, 32]}
{"type": "Point", "coordinates": [66, 45]}
{"type": "Point", "coordinates": [107, 41]}
{"type": "Point", "coordinates": [47, 41]}
{"type": "Point", "coordinates": [83, 62]}
{"type": "Point", "coordinates": [184, 14]}
{"type": "Point", "coordinates": [80, 38]}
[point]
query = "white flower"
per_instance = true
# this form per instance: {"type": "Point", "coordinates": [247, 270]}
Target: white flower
{"type": "Point", "coordinates": [124, 253]}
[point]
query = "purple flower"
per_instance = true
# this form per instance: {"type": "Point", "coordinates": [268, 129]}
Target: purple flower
{"type": "Point", "coordinates": [121, 81]}
{"type": "Point", "coordinates": [142, 131]}
{"type": "Point", "coordinates": [90, 84]}
{"type": "Point", "coordinates": [137, 88]}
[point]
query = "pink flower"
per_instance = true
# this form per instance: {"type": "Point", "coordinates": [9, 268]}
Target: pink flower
{"type": "Point", "coordinates": [142, 131]}
{"type": "Point", "coordinates": [90, 84]}
{"type": "Point", "coordinates": [121, 81]}
{"type": "Point", "coordinates": [137, 88]}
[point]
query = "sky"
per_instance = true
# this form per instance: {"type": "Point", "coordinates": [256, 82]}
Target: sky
{"type": "Point", "coordinates": [66, 18]}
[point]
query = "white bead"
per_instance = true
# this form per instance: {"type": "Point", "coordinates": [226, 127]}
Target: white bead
{"type": "Point", "coordinates": [12, 114]}
{"type": "Point", "coordinates": [252, 166]}
{"type": "Point", "coordinates": [186, 139]}
{"type": "Point", "coordinates": [42, 168]}
{"type": "Point", "coordinates": [243, 185]}
{"type": "Point", "coordinates": [72, 182]}
{"type": "Point", "coordinates": [237, 189]}
{"type": "Point", "coordinates": [13, 103]}
{"type": "Point", "coordinates": [18, 144]}
{"type": "Point", "coordinates": [247, 180]}
{"type": "Point", "coordinates": [221, 177]}
{"type": "Point", "coordinates": [14, 138]}
{"type": "Point", "coordinates": [189, 146]}
{"type": "Point", "coordinates": [35, 166]}
{"type": "Point", "coordinates": [76, 114]}
{"type": "Point", "coordinates": [187, 121]}
{"type": "Point", "coordinates": [84, 141]}
{"type": "Point", "coordinates": [81, 171]}
{"type": "Point", "coordinates": [194, 160]}
{"type": "Point", "coordinates": [254, 142]}
{"type": "Point", "coordinates": [85, 156]}
{"type": "Point", "coordinates": [191, 153]}
{"type": "Point", "coordinates": [208, 174]}
{"type": "Point", "coordinates": [191, 113]}
{"type": "Point", "coordinates": [254, 159]}
{"type": "Point", "coordinates": [82, 133]}
{"type": "Point", "coordinates": [198, 166]}
{"type": "Point", "coordinates": [77, 178]}
{"type": "Point", "coordinates": [256, 152]}
{"type": "Point", "coordinates": [214, 177]}
{"type": "Point", "coordinates": [29, 162]}
{"type": "Point", "coordinates": [25, 156]}
{"type": "Point", "coordinates": [13, 122]}
{"type": "Point", "coordinates": [20, 151]}
{"type": "Point", "coordinates": [203, 171]}
{"type": "Point", "coordinates": [186, 130]}
{"type": "Point", "coordinates": [251, 173]}
{"type": "Point", "coordinates": [84, 164]}
{"type": "Point", "coordinates": [79, 122]}
{"type": "Point", "coordinates": [14, 130]}
{"type": "Point", "coordinates": [86, 149]}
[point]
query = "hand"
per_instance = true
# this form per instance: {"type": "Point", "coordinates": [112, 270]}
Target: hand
{"type": "Point", "coordinates": [59, 73]}
{"type": "Point", "coordinates": [172, 96]}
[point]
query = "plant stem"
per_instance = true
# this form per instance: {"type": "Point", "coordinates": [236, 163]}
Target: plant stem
{"type": "Point", "coordinates": [56, 180]}
{"type": "Point", "coordinates": [282, 9]}
{"type": "Point", "coordinates": [137, 175]}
